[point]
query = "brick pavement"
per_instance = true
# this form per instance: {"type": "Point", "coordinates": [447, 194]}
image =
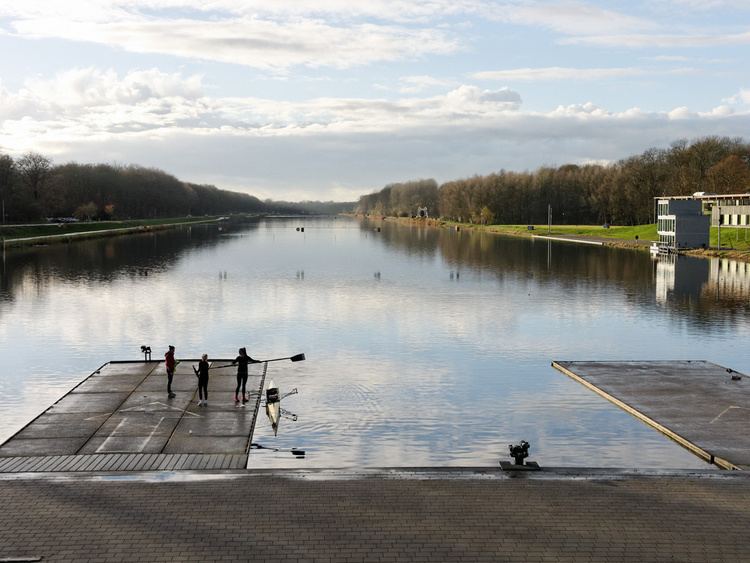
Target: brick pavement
{"type": "Point", "coordinates": [380, 517]}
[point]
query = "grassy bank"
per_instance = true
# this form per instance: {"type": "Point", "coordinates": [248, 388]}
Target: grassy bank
{"type": "Point", "coordinates": [643, 232]}
{"type": "Point", "coordinates": [735, 242]}
{"type": "Point", "coordinates": [13, 235]}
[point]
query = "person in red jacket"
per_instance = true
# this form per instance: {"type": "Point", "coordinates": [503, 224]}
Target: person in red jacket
{"type": "Point", "coordinates": [169, 363]}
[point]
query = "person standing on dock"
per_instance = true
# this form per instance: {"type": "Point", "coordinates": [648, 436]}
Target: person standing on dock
{"type": "Point", "coordinates": [170, 364]}
{"type": "Point", "coordinates": [202, 373]}
{"type": "Point", "coordinates": [242, 360]}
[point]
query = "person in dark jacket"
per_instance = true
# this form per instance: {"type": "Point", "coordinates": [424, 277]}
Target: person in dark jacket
{"type": "Point", "coordinates": [202, 373]}
{"type": "Point", "coordinates": [170, 364]}
{"type": "Point", "coordinates": [241, 361]}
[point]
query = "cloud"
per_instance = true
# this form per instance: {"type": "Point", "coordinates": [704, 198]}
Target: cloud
{"type": "Point", "coordinates": [740, 98]}
{"type": "Point", "coordinates": [252, 42]}
{"type": "Point", "coordinates": [570, 18]}
{"type": "Point", "coordinates": [568, 73]}
{"type": "Point", "coordinates": [708, 5]}
{"type": "Point", "coordinates": [284, 33]}
{"type": "Point", "coordinates": [416, 84]}
{"type": "Point", "coordinates": [325, 147]}
{"type": "Point", "coordinates": [639, 40]}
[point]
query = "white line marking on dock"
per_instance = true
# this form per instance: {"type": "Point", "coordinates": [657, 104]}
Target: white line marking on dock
{"type": "Point", "coordinates": [111, 434]}
{"type": "Point", "coordinates": [722, 413]}
{"type": "Point", "coordinates": [144, 408]}
{"type": "Point", "coordinates": [98, 416]}
{"type": "Point", "coordinates": [143, 444]}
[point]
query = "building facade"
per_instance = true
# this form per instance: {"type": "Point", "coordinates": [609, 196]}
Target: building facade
{"type": "Point", "coordinates": [681, 224]}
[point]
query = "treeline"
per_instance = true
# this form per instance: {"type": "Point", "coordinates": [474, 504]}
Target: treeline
{"type": "Point", "coordinates": [311, 207]}
{"type": "Point", "coordinates": [621, 193]}
{"type": "Point", "coordinates": [32, 188]}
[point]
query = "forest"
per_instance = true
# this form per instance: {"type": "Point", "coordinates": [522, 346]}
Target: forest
{"type": "Point", "coordinates": [620, 193]}
{"type": "Point", "coordinates": [32, 188]}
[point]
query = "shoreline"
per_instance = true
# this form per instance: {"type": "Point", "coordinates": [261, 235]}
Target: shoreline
{"type": "Point", "coordinates": [68, 237]}
{"type": "Point", "coordinates": [612, 242]}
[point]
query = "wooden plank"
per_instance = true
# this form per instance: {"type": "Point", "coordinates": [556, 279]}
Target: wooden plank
{"type": "Point", "coordinates": [37, 463]}
{"type": "Point", "coordinates": [154, 463]}
{"type": "Point", "coordinates": [61, 461]}
{"type": "Point", "coordinates": [173, 459]}
{"type": "Point", "coordinates": [203, 462]}
{"type": "Point", "coordinates": [239, 461]}
{"type": "Point", "coordinates": [101, 461]}
{"type": "Point", "coordinates": [129, 461]}
{"type": "Point", "coordinates": [180, 462]}
{"type": "Point", "coordinates": [88, 463]}
{"type": "Point", "coordinates": [49, 463]}
{"type": "Point", "coordinates": [225, 461]}
{"type": "Point", "coordinates": [17, 462]}
{"type": "Point", "coordinates": [142, 462]}
{"type": "Point", "coordinates": [192, 461]}
{"type": "Point", "coordinates": [112, 461]}
{"type": "Point", "coordinates": [25, 464]}
{"type": "Point", "coordinates": [5, 461]}
{"type": "Point", "coordinates": [78, 463]}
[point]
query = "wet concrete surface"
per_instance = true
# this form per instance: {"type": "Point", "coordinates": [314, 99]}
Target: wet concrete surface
{"type": "Point", "coordinates": [124, 408]}
{"type": "Point", "coordinates": [431, 514]}
{"type": "Point", "coordinates": [696, 403]}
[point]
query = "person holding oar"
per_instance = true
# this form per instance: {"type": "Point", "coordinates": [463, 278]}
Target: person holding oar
{"type": "Point", "coordinates": [241, 361]}
{"type": "Point", "coordinates": [201, 372]}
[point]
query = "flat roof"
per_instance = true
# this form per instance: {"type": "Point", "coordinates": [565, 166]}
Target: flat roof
{"type": "Point", "coordinates": [705, 197]}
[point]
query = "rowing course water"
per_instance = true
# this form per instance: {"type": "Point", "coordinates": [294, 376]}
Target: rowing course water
{"type": "Point", "coordinates": [425, 347]}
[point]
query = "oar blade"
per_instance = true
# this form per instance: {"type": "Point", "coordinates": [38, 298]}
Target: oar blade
{"type": "Point", "coordinates": [298, 358]}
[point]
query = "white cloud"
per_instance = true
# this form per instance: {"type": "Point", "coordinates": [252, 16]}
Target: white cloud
{"type": "Point", "coordinates": [708, 5]}
{"type": "Point", "coordinates": [251, 42]}
{"type": "Point", "coordinates": [568, 73]}
{"type": "Point", "coordinates": [741, 97]}
{"type": "Point", "coordinates": [640, 40]}
{"type": "Point", "coordinates": [570, 18]}
{"type": "Point", "coordinates": [324, 147]}
{"type": "Point", "coordinates": [416, 84]}
{"type": "Point", "coordinates": [277, 35]}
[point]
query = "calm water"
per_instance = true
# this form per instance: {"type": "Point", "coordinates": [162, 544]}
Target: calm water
{"type": "Point", "coordinates": [424, 347]}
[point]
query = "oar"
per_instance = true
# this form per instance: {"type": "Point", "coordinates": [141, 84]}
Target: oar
{"type": "Point", "coordinates": [295, 451]}
{"type": "Point", "coordinates": [296, 358]}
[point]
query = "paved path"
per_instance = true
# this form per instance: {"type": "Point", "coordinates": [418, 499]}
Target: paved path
{"type": "Point", "coordinates": [422, 516]}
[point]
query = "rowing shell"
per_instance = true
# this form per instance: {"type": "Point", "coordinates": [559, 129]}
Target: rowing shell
{"type": "Point", "coordinates": [273, 406]}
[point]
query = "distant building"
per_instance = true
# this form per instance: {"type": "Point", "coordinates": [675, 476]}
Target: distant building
{"type": "Point", "coordinates": [725, 209]}
{"type": "Point", "coordinates": [422, 212]}
{"type": "Point", "coordinates": [681, 224]}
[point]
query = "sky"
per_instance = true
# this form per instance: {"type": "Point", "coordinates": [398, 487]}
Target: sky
{"type": "Point", "coordinates": [331, 99]}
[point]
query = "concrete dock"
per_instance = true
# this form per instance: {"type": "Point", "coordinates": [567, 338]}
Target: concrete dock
{"type": "Point", "coordinates": [702, 406]}
{"type": "Point", "coordinates": [120, 419]}
{"type": "Point", "coordinates": [415, 516]}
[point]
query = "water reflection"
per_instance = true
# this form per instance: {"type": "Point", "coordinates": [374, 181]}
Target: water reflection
{"type": "Point", "coordinates": [703, 286]}
{"type": "Point", "coordinates": [424, 346]}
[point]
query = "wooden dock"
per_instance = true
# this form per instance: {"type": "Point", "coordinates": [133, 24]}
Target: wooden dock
{"type": "Point", "coordinates": [704, 407]}
{"type": "Point", "coordinates": [120, 419]}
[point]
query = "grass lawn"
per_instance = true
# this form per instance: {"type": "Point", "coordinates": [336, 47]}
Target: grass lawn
{"type": "Point", "coordinates": [731, 237]}
{"type": "Point", "coordinates": [644, 232]}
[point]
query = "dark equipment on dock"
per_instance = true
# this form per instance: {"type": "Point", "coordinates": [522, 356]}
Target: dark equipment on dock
{"type": "Point", "coordinates": [519, 452]}
{"type": "Point", "coordinates": [146, 350]}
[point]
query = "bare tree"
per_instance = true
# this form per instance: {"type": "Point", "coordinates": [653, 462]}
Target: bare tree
{"type": "Point", "coordinates": [7, 169]}
{"type": "Point", "coordinates": [34, 169]}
